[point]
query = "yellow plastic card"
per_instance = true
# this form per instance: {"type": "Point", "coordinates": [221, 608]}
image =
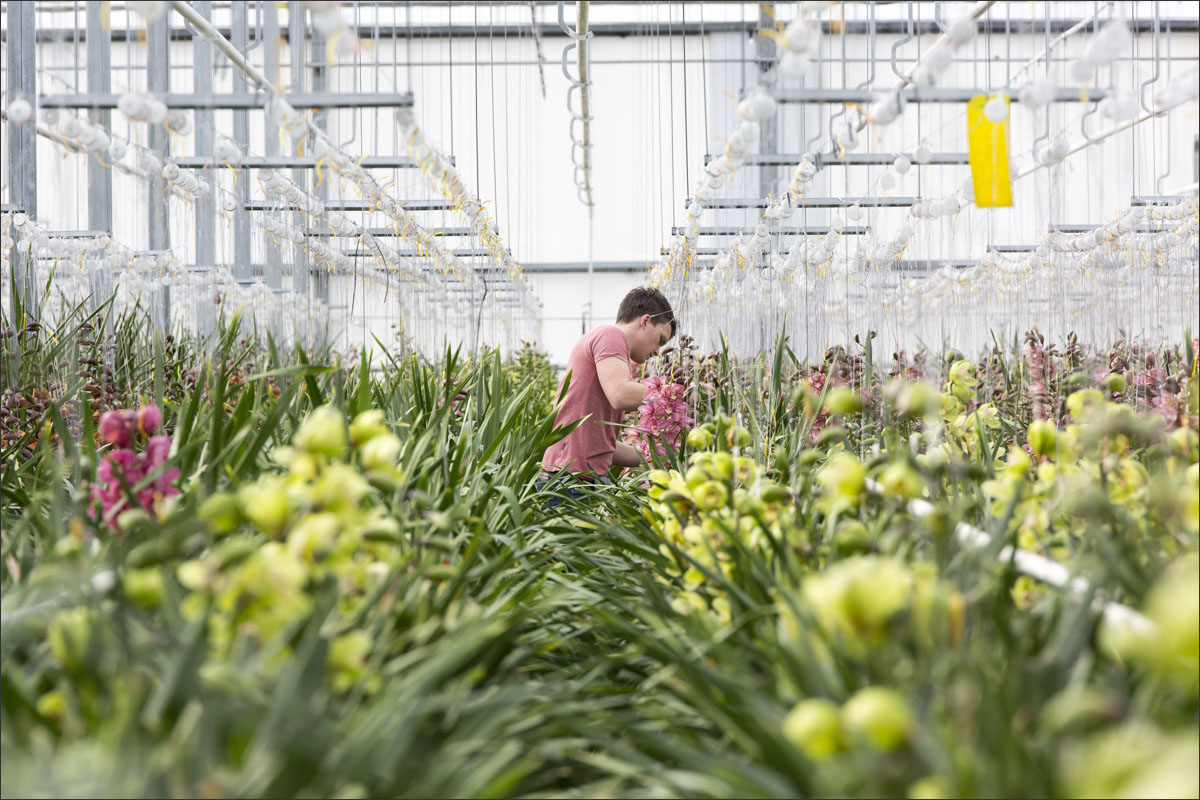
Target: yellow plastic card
{"type": "Point", "coordinates": [987, 144]}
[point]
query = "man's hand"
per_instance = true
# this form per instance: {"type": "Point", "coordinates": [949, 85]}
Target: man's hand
{"type": "Point", "coordinates": [627, 456]}
{"type": "Point", "coordinates": [622, 393]}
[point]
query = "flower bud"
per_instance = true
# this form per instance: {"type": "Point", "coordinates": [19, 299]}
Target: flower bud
{"type": "Point", "coordinates": [148, 419]}
{"type": "Point", "coordinates": [323, 432]}
{"type": "Point", "coordinates": [133, 518]}
{"type": "Point", "coordinates": [695, 476]}
{"type": "Point", "coordinates": [814, 728]}
{"type": "Point", "coordinates": [699, 439]}
{"type": "Point", "coordinates": [902, 481]}
{"type": "Point", "coordinates": [739, 436]}
{"type": "Point", "coordinates": [114, 428]}
{"type": "Point", "coordinates": [144, 587]}
{"type": "Point", "coordinates": [1115, 383]}
{"type": "Point", "coordinates": [843, 476]}
{"type": "Point", "coordinates": [721, 466]}
{"type": "Point", "coordinates": [221, 512]}
{"type": "Point", "coordinates": [366, 426]}
{"type": "Point", "coordinates": [381, 451]}
{"type": "Point", "coordinates": [313, 536]}
{"type": "Point", "coordinates": [931, 787]}
{"type": "Point", "coordinates": [851, 537]}
{"type": "Point", "coordinates": [879, 715]}
{"type": "Point", "coordinates": [916, 399]}
{"type": "Point", "coordinates": [843, 402]}
{"type": "Point", "coordinates": [710, 495]}
{"type": "Point", "coordinates": [265, 504]}
{"type": "Point", "coordinates": [70, 636]}
{"type": "Point", "coordinates": [1043, 437]}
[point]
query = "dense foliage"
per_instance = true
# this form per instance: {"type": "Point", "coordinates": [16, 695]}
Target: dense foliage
{"type": "Point", "coordinates": [231, 570]}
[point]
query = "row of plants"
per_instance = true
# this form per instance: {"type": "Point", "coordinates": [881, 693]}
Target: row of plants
{"type": "Point", "coordinates": [237, 570]}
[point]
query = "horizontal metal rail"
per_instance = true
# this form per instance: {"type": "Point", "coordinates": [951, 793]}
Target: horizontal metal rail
{"type": "Point", "coordinates": [295, 162]}
{"type": "Point", "coordinates": [388, 232]}
{"type": "Point", "coordinates": [849, 159]}
{"type": "Point", "coordinates": [354, 205]}
{"type": "Point", "coordinates": [806, 230]}
{"type": "Point", "coordinates": [1036, 27]}
{"type": "Point", "coordinates": [108, 100]}
{"type": "Point", "coordinates": [814, 202]}
{"type": "Point", "coordinates": [949, 95]}
{"type": "Point", "coordinates": [466, 252]}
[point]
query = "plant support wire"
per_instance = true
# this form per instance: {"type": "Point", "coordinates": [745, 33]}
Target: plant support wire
{"type": "Point", "coordinates": [582, 171]}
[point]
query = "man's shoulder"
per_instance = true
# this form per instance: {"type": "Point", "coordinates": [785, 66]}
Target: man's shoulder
{"type": "Point", "coordinates": [603, 330]}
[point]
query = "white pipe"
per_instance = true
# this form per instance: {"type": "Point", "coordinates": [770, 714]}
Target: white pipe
{"type": "Point", "coordinates": [977, 11]}
{"type": "Point", "coordinates": [1083, 23]}
{"type": "Point", "coordinates": [1086, 143]}
{"type": "Point", "coordinates": [1032, 564]}
{"type": "Point", "coordinates": [224, 45]}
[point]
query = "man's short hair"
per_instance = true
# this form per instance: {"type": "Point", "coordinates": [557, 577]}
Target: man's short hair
{"type": "Point", "coordinates": [646, 301]}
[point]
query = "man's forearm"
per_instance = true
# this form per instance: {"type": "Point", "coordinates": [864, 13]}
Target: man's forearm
{"type": "Point", "coordinates": [627, 456]}
{"type": "Point", "coordinates": [634, 393]}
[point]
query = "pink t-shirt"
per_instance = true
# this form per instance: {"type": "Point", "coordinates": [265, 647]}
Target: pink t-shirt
{"type": "Point", "coordinates": [590, 447]}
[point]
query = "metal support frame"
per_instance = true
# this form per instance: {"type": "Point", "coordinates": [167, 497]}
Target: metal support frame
{"type": "Point", "coordinates": [158, 81]}
{"type": "Point", "coordinates": [22, 147]}
{"type": "Point", "coordinates": [316, 81]}
{"type": "Point", "coordinates": [296, 40]}
{"type": "Point", "coordinates": [241, 101]}
{"type": "Point", "coordinates": [852, 28]}
{"type": "Point", "coordinates": [814, 202]}
{"type": "Point", "coordinates": [850, 159]}
{"type": "Point", "coordinates": [1063, 94]}
{"type": "Point", "coordinates": [464, 252]}
{"type": "Point", "coordinates": [392, 232]}
{"type": "Point", "coordinates": [99, 76]}
{"type": "Point", "coordinates": [270, 40]}
{"type": "Point", "coordinates": [297, 162]}
{"type": "Point", "coordinates": [804, 230]}
{"type": "Point", "coordinates": [353, 205]}
{"type": "Point", "coordinates": [242, 268]}
{"type": "Point", "coordinates": [202, 74]}
{"type": "Point", "coordinates": [768, 131]}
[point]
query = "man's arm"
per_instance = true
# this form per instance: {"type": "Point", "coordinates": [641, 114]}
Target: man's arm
{"type": "Point", "coordinates": [624, 394]}
{"type": "Point", "coordinates": [627, 456]}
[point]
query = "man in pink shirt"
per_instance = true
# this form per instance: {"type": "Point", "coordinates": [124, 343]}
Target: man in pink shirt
{"type": "Point", "coordinates": [602, 388]}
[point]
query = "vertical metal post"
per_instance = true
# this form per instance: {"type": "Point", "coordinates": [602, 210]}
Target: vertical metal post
{"type": "Point", "coordinates": [22, 146]}
{"type": "Point", "coordinates": [242, 267]}
{"type": "Point", "coordinates": [270, 40]}
{"type": "Point", "coordinates": [158, 82]}
{"type": "Point", "coordinates": [297, 38]}
{"type": "Point", "coordinates": [99, 79]}
{"type": "Point", "coordinates": [206, 211]}
{"type": "Point", "coordinates": [316, 55]}
{"type": "Point", "coordinates": [765, 50]}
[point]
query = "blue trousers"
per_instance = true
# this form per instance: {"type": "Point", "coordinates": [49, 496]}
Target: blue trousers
{"type": "Point", "coordinates": [576, 488]}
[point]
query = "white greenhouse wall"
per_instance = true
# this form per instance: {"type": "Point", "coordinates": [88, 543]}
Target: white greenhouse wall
{"type": "Point", "coordinates": [653, 123]}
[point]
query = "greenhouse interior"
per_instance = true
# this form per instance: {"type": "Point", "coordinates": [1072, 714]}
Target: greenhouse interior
{"type": "Point", "coordinates": [533, 398]}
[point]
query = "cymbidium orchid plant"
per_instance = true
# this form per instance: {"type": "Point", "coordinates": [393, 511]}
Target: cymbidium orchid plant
{"type": "Point", "coordinates": [664, 417]}
{"type": "Point", "coordinates": [122, 429]}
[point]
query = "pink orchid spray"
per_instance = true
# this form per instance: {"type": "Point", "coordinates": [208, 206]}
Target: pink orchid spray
{"type": "Point", "coordinates": [664, 416]}
{"type": "Point", "coordinates": [120, 429]}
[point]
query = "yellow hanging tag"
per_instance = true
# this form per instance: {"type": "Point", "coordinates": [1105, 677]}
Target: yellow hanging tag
{"type": "Point", "coordinates": [987, 144]}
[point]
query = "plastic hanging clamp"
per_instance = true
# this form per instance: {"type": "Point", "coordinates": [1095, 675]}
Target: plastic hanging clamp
{"type": "Point", "coordinates": [562, 23]}
{"type": "Point", "coordinates": [905, 40]}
